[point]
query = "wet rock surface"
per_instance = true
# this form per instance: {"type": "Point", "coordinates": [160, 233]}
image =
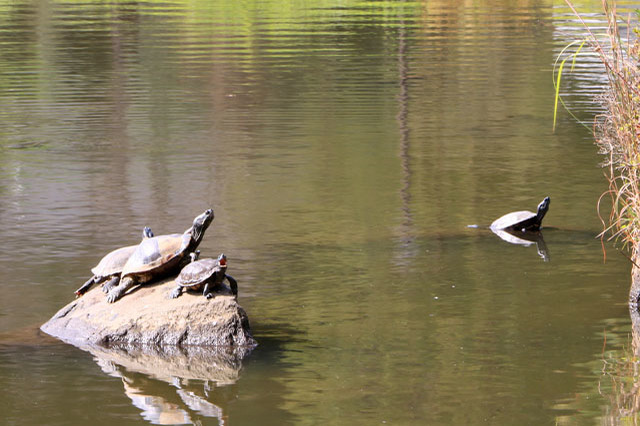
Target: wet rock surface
{"type": "Point", "coordinates": [148, 316]}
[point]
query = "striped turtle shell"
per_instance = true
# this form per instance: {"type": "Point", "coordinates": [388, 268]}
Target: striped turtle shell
{"type": "Point", "coordinates": [198, 272]}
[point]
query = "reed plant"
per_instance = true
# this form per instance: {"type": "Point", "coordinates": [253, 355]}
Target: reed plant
{"type": "Point", "coordinates": [617, 129]}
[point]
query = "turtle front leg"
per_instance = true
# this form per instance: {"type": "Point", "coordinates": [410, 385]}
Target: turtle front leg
{"type": "Point", "coordinates": [176, 292]}
{"type": "Point", "coordinates": [233, 284]}
{"type": "Point", "coordinates": [118, 291]}
{"type": "Point", "coordinates": [106, 287]}
{"type": "Point", "coordinates": [208, 291]}
{"type": "Point", "coordinates": [86, 286]}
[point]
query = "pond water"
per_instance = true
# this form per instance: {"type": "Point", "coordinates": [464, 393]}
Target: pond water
{"type": "Point", "coordinates": [345, 147]}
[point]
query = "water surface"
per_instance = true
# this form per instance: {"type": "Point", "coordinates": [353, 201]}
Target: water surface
{"type": "Point", "coordinates": [345, 147]}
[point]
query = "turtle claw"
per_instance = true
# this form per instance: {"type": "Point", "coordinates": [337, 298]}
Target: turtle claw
{"type": "Point", "coordinates": [176, 293]}
{"type": "Point", "coordinates": [113, 296]}
{"type": "Point", "coordinates": [121, 289]}
{"type": "Point", "coordinates": [209, 295]}
{"type": "Point", "coordinates": [109, 285]}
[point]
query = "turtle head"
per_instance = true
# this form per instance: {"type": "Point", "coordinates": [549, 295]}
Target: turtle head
{"type": "Point", "coordinates": [222, 263]}
{"type": "Point", "coordinates": [194, 255]}
{"type": "Point", "coordinates": [543, 207]}
{"type": "Point", "coordinates": [200, 224]}
{"type": "Point", "coordinates": [147, 233]}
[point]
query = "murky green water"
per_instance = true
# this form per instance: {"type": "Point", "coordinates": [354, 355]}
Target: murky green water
{"type": "Point", "coordinates": [345, 147]}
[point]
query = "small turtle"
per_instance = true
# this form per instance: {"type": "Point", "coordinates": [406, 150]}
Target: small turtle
{"type": "Point", "coordinates": [523, 220]}
{"type": "Point", "coordinates": [160, 256]}
{"type": "Point", "coordinates": [110, 267]}
{"type": "Point", "coordinates": [205, 275]}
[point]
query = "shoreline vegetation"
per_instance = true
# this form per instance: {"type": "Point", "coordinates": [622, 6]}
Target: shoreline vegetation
{"type": "Point", "coordinates": [617, 135]}
{"type": "Point", "coordinates": [617, 129]}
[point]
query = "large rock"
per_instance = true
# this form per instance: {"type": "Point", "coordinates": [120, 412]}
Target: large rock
{"type": "Point", "coordinates": [148, 316]}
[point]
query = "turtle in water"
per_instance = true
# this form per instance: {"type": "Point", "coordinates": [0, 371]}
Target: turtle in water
{"type": "Point", "coordinates": [523, 220]}
{"type": "Point", "coordinates": [160, 256]}
{"type": "Point", "coordinates": [205, 275]}
{"type": "Point", "coordinates": [110, 267]}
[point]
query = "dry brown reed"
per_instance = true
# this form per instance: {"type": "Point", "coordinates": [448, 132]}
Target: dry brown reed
{"type": "Point", "coordinates": [617, 130]}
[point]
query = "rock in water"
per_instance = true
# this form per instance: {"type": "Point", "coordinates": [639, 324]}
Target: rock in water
{"type": "Point", "coordinates": [148, 316]}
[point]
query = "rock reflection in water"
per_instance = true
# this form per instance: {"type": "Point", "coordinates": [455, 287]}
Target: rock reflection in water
{"type": "Point", "coordinates": [172, 385]}
{"type": "Point", "coordinates": [525, 239]}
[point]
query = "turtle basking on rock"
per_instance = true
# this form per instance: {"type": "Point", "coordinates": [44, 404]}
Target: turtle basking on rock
{"type": "Point", "coordinates": [110, 267]}
{"type": "Point", "coordinates": [522, 221]}
{"type": "Point", "coordinates": [204, 275]}
{"type": "Point", "coordinates": [160, 256]}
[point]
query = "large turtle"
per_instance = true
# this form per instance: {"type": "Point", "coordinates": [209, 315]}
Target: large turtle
{"type": "Point", "coordinates": [205, 275]}
{"type": "Point", "coordinates": [110, 267]}
{"type": "Point", "coordinates": [160, 256]}
{"type": "Point", "coordinates": [523, 220]}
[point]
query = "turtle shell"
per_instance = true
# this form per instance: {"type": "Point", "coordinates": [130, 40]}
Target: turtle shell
{"type": "Point", "coordinates": [155, 255]}
{"type": "Point", "coordinates": [196, 273]}
{"type": "Point", "coordinates": [523, 220]}
{"type": "Point", "coordinates": [114, 262]}
{"type": "Point", "coordinates": [516, 220]}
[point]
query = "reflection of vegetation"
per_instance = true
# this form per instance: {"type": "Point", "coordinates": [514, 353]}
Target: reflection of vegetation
{"type": "Point", "coordinates": [622, 389]}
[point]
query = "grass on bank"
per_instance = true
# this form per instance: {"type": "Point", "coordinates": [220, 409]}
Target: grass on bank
{"type": "Point", "coordinates": [617, 130]}
{"type": "Point", "coordinates": [617, 135]}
